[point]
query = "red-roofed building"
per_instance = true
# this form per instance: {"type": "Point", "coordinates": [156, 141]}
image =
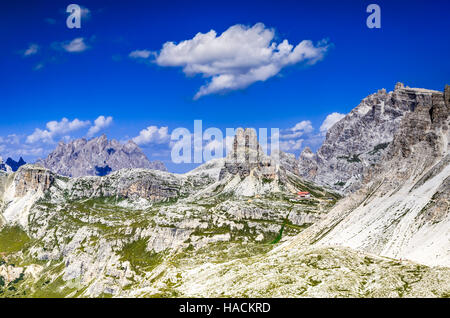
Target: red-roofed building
{"type": "Point", "coordinates": [304, 194]}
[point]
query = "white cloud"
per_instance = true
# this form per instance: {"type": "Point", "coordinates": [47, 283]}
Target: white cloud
{"type": "Point", "coordinates": [85, 13]}
{"type": "Point", "coordinates": [152, 135]}
{"type": "Point", "coordinates": [12, 146]}
{"type": "Point", "coordinates": [32, 49]}
{"type": "Point", "coordinates": [330, 121]}
{"type": "Point", "coordinates": [304, 125]}
{"type": "Point", "coordinates": [100, 123]}
{"type": "Point", "coordinates": [8, 142]}
{"type": "Point", "coordinates": [302, 133]}
{"type": "Point", "coordinates": [12, 139]}
{"type": "Point", "coordinates": [143, 54]}
{"type": "Point", "coordinates": [55, 128]}
{"type": "Point", "coordinates": [214, 144]}
{"type": "Point", "coordinates": [25, 150]}
{"type": "Point", "coordinates": [292, 139]}
{"type": "Point", "coordinates": [301, 128]}
{"type": "Point", "coordinates": [42, 141]}
{"type": "Point", "coordinates": [237, 58]}
{"type": "Point", "coordinates": [76, 45]}
{"type": "Point", "coordinates": [291, 145]}
{"type": "Point", "coordinates": [38, 66]}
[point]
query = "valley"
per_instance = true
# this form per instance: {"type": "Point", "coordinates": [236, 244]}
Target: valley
{"type": "Point", "coordinates": [374, 226]}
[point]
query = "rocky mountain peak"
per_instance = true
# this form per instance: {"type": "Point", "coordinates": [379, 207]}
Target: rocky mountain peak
{"type": "Point", "coordinates": [307, 164]}
{"type": "Point", "coordinates": [130, 146]}
{"type": "Point", "coordinates": [307, 153]}
{"type": "Point", "coordinates": [399, 86]}
{"type": "Point", "coordinates": [245, 146]}
{"type": "Point", "coordinates": [15, 165]}
{"type": "Point", "coordinates": [30, 179]}
{"type": "Point", "coordinates": [361, 138]}
{"type": "Point", "coordinates": [247, 155]}
{"type": "Point", "coordinates": [87, 229]}
{"type": "Point", "coordinates": [97, 156]}
{"type": "Point", "coordinates": [401, 210]}
{"type": "Point", "coordinates": [427, 125]}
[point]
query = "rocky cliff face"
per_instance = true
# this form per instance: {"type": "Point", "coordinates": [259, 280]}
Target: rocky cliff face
{"type": "Point", "coordinates": [248, 171]}
{"type": "Point", "coordinates": [361, 138]}
{"type": "Point", "coordinates": [32, 179]}
{"type": "Point", "coordinates": [235, 227]}
{"type": "Point", "coordinates": [307, 164]}
{"type": "Point", "coordinates": [402, 210]}
{"type": "Point", "coordinates": [105, 233]}
{"type": "Point", "coordinates": [96, 157]}
{"type": "Point", "coordinates": [151, 185]}
{"type": "Point", "coordinates": [247, 157]}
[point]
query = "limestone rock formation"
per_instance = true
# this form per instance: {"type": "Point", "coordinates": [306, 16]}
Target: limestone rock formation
{"type": "Point", "coordinates": [248, 170]}
{"type": "Point", "coordinates": [288, 162]}
{"type": "Point", "coordinates": [151, 185]}
{"type": "Point", "coordinates": [96, 157]}
{"type": "Point", "coordinates": [307, 164]}
{"type": "Point", "coordinates": [32, 179]}
{"type": "Point", "coordinates": [234, 227]}
{"type": "Point", "coordinates": [105, 233]}
{"type": "Point", "coordinates": [361, 138]}
{"type": "Point", "coordinates": [247, 156]}
{"type": "Point", "coordinates": [402, 210]}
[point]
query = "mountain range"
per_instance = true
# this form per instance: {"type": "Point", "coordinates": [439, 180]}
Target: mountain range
{"type": "Point", "coordinates": [376, 223]}
{"type": "Point", "coordinates": [359, 140]}
{"type": "Point", "coordinates": [11, 165]}
{"type": "Point", "coordinates": [96, 157]}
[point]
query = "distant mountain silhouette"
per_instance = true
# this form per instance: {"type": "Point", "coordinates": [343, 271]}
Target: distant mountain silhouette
{"type": "Point", "coordinates": [15, 165]}
{"type": "Point", "coordinates": [97, 157]}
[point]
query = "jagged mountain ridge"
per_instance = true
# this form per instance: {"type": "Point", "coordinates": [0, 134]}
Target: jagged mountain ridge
{"type": "Point", "coordinates": [401, 212]}
{"type": "Point", "coordinates": [249, 171]}
{"type": "Point", "coordinates": [11, 165]}
{"type": "Point", "coordinates": [360, 139]}
{"type": "Point", "coordinates": [90, 226]}
{"type": "Point", "coordinates": [96, 157]}
{"type": "Point", "coordinates": [147, 233]}
{"type": "Point", "coordinates": [15, 165]}
{"type": "Point", "coordinates": [403, 208]}
{"type": "Point", "coordinates": [4, 166]}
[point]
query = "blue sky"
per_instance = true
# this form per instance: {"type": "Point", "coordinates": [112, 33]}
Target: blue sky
{"type": "Point", "coordinates": [47, 74]}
